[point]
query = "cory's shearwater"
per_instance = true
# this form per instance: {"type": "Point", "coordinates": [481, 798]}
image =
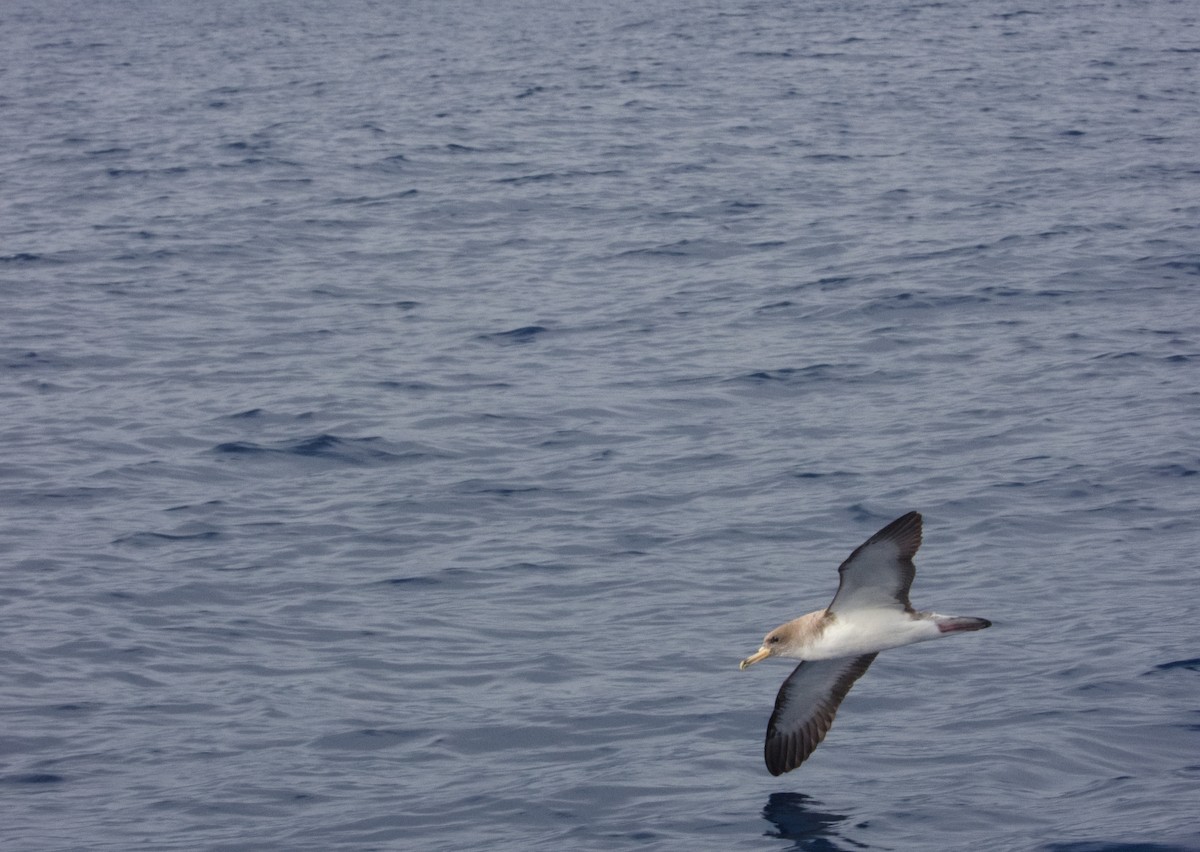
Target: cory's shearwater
{"type": "Point", "coordinates": [870, 613]}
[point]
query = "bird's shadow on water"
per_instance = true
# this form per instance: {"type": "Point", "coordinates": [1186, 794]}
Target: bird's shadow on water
{"type": "Point", "coordinates": [800, 819]}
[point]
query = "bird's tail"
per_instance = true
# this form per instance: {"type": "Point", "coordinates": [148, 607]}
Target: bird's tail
{"type": "Point", "coordinates": [956, 623]}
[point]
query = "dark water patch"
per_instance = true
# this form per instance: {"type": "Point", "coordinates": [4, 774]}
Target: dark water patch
{"type": "Point", "coordinates": [22, 257]}
{"type": "Point", "coordinates": [1192, 665]}
{"type": "Point", "coordinates": [497, 489]}
{"type": "Point", "coordinates": [828, 158]}
{"type": "Point", "coordinates": [672, 216]}
{"type": "Point", "coordinates": [150, 538]}
{"type": "Point", "coordinates": [1188, 267]}
{"type": "Point", "coordinates": [942, 254]}
{"type": "Point", "coordinates": [814, 373]}
{"type": "Point", "coordinates": [524, 179]}
{"type": "Point", "coordinates": [29, 359]}
{"type": "Point", "coordinates": [324, 446]}
{"type": "Point", "coordinates": [534, 567]}
{"type": "Point", "coordinates": [370, 200]}
{"type": "Point", "coordinates": [366, 739]}
{"type": "Point", "coordinates": [188, 506]}
{"type": "Point", "coordinates": [413, 582]}
{"type": "Point", "coordinates": [581, 438]}
{"type": "Point", "coordinates": [247, 146]}
{"type": "Point", "coordinates": [1174, 470]}
{"type": "Point", "coordinates": [262, 416]}
{"type": "Point", "coordinates": [814, 474]}
{"type": "Point", "coordinates": [127, 173]}
{"type": "Point", "coordinates": [1018, 483]}
{"type": "Point", "coordinates": [524, 334]}
{"type": "Point", "coordinates": [1003, 291]}
{"type": "Point", "coordinates": [769, 54]}
{"type": "Point", "coordinates": [391, 163]}
{"type": "Point", "coordinates": [935, 302]}
{"type": "Point", "coordinates": [329, 446]}
{"type": "Point", "coordinates": [413, 386]}
{"type": "Point", "coordinates": [681, 248]}
{"type": "Point", "coordinates": [179, 708]}
{"type": "Point", "coordinates": [34, 778]}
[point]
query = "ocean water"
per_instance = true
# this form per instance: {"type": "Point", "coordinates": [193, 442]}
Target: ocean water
{"type": "Point", "coordinates": [413, 411]}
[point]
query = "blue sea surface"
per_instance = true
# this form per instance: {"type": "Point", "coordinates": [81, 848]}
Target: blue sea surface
{"type": "Point", "coordinates": [412, 412]}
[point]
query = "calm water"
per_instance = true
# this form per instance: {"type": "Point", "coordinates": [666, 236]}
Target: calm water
{"type": "Point", "coordinates": [413, 411]}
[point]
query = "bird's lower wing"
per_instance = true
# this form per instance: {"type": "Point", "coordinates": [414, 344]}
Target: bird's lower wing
{"type": "Point", "coordinates": [805, 707]}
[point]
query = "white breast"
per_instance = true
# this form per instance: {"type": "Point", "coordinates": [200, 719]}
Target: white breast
{"type": "Point", "coordinates": [865, 631]}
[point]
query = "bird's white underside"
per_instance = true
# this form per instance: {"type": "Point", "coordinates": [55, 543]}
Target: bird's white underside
{"type": "Point", "coordinates": [865, 631]}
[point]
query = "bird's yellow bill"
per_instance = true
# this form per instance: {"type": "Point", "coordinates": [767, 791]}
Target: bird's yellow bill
{"type": "Point", "coordinates": [760, 654]}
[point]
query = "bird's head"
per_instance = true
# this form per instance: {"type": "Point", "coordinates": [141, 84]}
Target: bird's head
{"type": "Point", "coordinates": [769, 648]}
{"type": "Point", "coordinates": [788, 640]}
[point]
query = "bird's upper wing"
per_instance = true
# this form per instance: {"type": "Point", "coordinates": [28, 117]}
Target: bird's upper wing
{"type": "Point", "coordinates": [880, 571]}
{"type": "Point", "coordinates": [805, 707]}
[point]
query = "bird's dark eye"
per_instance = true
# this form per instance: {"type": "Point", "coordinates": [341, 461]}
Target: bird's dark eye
{"type": "Point", "coordinates": [772, 639]}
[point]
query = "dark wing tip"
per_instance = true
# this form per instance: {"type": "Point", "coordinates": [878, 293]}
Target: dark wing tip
{"type": "Point", "coordinates": [905, 531]}
{"type": "Point", "coordinates": [786, 752]}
